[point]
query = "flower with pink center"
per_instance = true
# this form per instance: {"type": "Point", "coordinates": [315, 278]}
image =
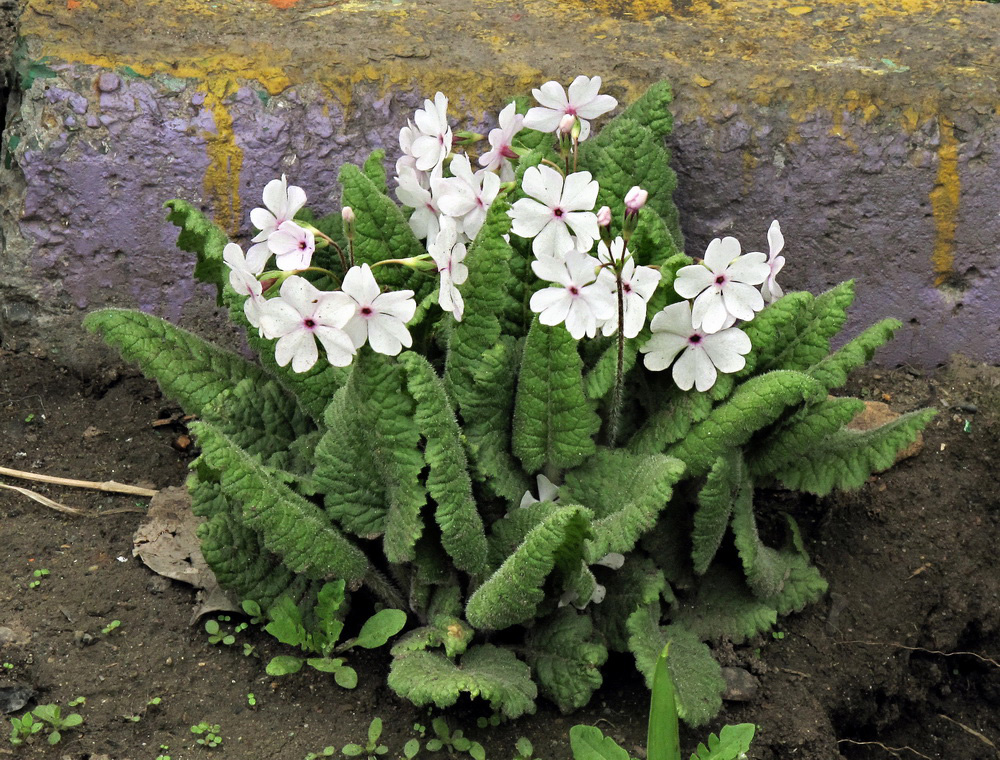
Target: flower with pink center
{"type": "Point", "coordinates": [583, 102]}
{"type": "Point", "coordinates": [556, 207]}
{"type": "Point", "coordinates": [771, 290]}
{"type": "Point", "coordinates": [292, 246]}
{"type": "Point", "coordinates": [302, 315]}
{"type": "Point", "coordinates": [430, 138]}
{"type": "Point", "coordinates": [466, 196]}
{"type": "Point", "coordinates": [702, 354]}
{"type": "Point", "coordinates": [502, 143]}
{"type": "Point", "coordinates": [243, 273]}
{"type": "Point", "coordinates": [424, 221]}
{"type": "Point", "coordinates": [578, 299]}
{"type": "Point", "coordinates": [722, 285]}
{"type": "Point", "coordinates": [448, 253]}
{"type": "Point", "coordinates": [376, 317]}
{"type": "Point", "coordinates": [638, 285]}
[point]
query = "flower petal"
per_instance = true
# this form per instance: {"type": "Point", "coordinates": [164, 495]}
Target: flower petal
{"type": "Point", "coordinates": [720, 253]}
{"type": "Point", "coordinates": [740, 300]}
{"type": "Point", "coordinates": [661, 349]}
{"type": "Point", "coordinates": [692, 279]}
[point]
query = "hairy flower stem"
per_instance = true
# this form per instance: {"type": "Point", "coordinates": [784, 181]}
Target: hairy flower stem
{"type": "Point", "coordinates": [616, 396]}
{"type": "Point", "coordinates": [337, 248]}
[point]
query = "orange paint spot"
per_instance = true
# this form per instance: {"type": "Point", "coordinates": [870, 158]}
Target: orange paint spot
{"type": "Point", "coordinates": [282, 3]}
{"type": "Point", "coordinates": [72, 5]}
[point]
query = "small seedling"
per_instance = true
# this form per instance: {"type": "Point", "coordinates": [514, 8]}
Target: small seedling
{"type": "Point", "coordinates": [77, 702]}
{"type": "Point", "coordinates": [453, 741]}
{"type": "Point", "coordinates": [164, 748]}
{"type": "Point", "coordinates": [251, 699]}
{"type": "Point", "coordinates": [8, 666]}
{"type": "Point", "coordinates": [23, 728]}
{"type": "Point", "coordinates": [215, 633]}
{"type": "Point", "coordinates": [523, 749]}
{"type": "Point", "coordinates": [249, 649]}
{"type": "Point", "coordinates": [30, 418]}
{"type": "Point", "coordinates": [411, 749]}
{"type": "Point", "coordinates": [777, 635]}
{"type": "Point", "coordinates": [38, 575]}
{"type": "Point", "coordinates": [52, 715]}
{"type": "Point", "coordinates": [372, 749]}
{"type": "Point", "coordinates": [491, 722]}
{"type": "Point", "coordinates": [211, 734]}
{"type": "Point", "coordinates": [253, 610]}
{"type": "Point", "coordinates": [111, 626]}
{"type": "Point", "coordinates": [326, 752]}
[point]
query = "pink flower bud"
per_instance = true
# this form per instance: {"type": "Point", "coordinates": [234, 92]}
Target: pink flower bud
{"type": "Point", "coordinates": [635, 199]}
{"type": "Point", "coordinates": [347, 214]}
{"type": "Point", "coordinates": [604, 217]}
{"type": "Point", "coordinates": [566, 124]}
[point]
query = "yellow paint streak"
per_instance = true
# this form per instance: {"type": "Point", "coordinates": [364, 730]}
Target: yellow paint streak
{"type": "Point", "coordinates": [944, 202]}
{"type": "Point", "coordinates": [225, 161]}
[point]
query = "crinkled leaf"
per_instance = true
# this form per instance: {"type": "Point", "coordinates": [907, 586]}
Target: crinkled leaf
{"type": "Point", "coordinates": [486, 671]}
{"type": "Point", "coordinates": [724, 608]}
{"type": "Point", "coordinates": [589, 743]}
{"type": "Point", "coordinates": [374, 169]}
{"type": "Point", "coordinates": [512, 594]}
{"type": "Point", "coordinates": [566, 656]}
{"type": "Point", "coordinates": [671, 422]}
{"type": "Point", "coordinates": [726, 484]}
{"type": "Point", "coordinates": [553, 423]}
{"type": "Point", "coordinates": [201, 236]}
{"type": "Point", "coordinates": [638, 582]}
{"type": "Point", "coordinates": [832, 370]}
{"type": "Point", "coordinates": [600, 379]}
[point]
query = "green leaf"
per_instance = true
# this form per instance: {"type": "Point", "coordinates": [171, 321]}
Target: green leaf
{"type": "Point", "coordinates": [653, 109]}
{"type": "Point", "coordinates": [755, 404]}
{"type": "Point", "coordinates": [626, 492]}
{"type": "Point", "coordinates": [589, 743]}
{"type": "Point", "coordinates": [201, 236]}
{"type": "Point", "coordinates": [671, 422]}
{"type": "Point", "coordinates": [726, 484]}
{"type": "Point", "coordinates": [368, 463]}
{"type": "Point", "coordinates": [765, 571]}
{"type": "Point", "coordinates": [638, 582]}
{"type": "Point", "coordinates": [286, 624]}
{"type": "Point", "coordinates": [566, 656]}
{"type": "Point", "coordinates": [345, 677]}
{"type": "Point", "coordinates": [325, 664]}
{"type": "Point", "coordinates": [71, 720]}
{"type": "Point", "coordinates": [353, 750]}
{"type": "Point", "coordinates": [697, 676]}
{"type": "Point", "coordinates": [284, 665]}
{"type": "Point", "coordinates": [600, 379]}
{"type": "Point", "coordinates": [189, 370]}
{"type": "Point", "coordinates": [553, 422]}
{"type": "Point", "coordinates": [448, 482]}
{"type": "Point", "coordinates": [733, 742]}
{"type": "Point", "coordinates": [724, 608]}
{"type": "Point", "coordinates": [374, 170]}
{"type": "Point", "coordinates": [486, 671]}
{"type": "Point", "coordinates": [380, 627]}
{"type": "Point", "coordinates": [380, 229]}
{"type": "Point", "coordinates": [803, 584]}
{"type": "Point", "coordinates": [847, 458]}
{"type": "Point", "coordinates": [662, 738]}
{"type": "Point", "coordinates": [832, 370]}
{"type": "Point", "coordinates": [291, 527]}
{"type": "Point", "coordinates": [512, 594]}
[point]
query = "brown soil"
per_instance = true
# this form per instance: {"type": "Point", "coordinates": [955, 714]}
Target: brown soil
{"type": "Point", "coordinates": [891, 663]}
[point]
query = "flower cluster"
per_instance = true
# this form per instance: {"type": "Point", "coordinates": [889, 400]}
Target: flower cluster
{"type": "Point", "coordinates": [588, 291]}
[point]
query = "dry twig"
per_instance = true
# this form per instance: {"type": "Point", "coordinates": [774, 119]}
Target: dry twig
{"type": "Point", "coordinates": [894, 751]}
{"type": "Point", "coordinates": [108, 485]}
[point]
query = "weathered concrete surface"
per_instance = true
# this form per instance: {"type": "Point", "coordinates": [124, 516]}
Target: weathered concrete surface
{"type": "Point", "coordinates": [870, 129]}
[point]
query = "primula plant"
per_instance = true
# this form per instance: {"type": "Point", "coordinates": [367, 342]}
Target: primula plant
{"type": "Point", "coordinates": [514, 408]}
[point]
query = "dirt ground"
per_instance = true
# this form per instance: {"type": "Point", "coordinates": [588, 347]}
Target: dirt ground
{"type": "Point", "coordinates": [899, 660]}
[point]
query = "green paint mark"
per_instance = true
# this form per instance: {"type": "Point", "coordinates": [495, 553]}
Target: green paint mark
{"type": "Point", "coordinates": [12, 143]}
{"type": "Point", "coordinates": [128, 71]}
{"type": "Point", "coordinates": [29, 69]}
{"type": "Point", "coordinates": [264, 96]}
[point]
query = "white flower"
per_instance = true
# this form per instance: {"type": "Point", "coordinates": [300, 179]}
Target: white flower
{"type": "Point", "coordinates": [580, 301]}
{"type": "Point", "coordinates": [547, 491]}
{"type": "Point", "coordinates": [570, 597]}
{"type": "Point", "coordinates": [638, 285]}
{"type": "Point", "coordinates": [501, 143]}
{"type": "Point", "coordinates": [292, 246]}
{"type": "Point", "coordinates": [431, 135]}
{"type": "Point", "coordinates": [283, 202]}
{"type": "Point", "coordinates": [243, 274]}
{"type": "Point", "coordinates": [466, 196]}
{"type": "Point", "coordinates": [449, 253]}
{"type": "Point", "coordinates": [614, 560]}
{"type": "Point", "coordinates": [771, 290]}
{"type": "Point", "coordinates": [721, 286]}
{"type": "Point", "coordinates": [379, 318]}
{"type": "Point", "coordinates": [702, 355]}
{"type": "Point", "coordinates": [583, 102]}
{"type": "Point", "coordinates": [299, 317]}
{"type": "Point", "coordinates": [561, 206]}
{"type": "Point", "coordinates": [410, 192]}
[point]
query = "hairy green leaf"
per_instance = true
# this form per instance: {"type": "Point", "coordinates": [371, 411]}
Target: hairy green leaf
{"type": "Point", "coordinates": [566, 656]}
{"type": "Point", "coordinates": [847, 458]}
{"type": "Point", "coordinates": [726, 484]}
{"type": "Point", "coordinates": [553, 423]}
{"type": "Point", "coordinates": [724, 608]}
{"type": "Point", "coordinates": [203, 237]}
{"type": "Point", "coordinates": [289, 526]}
{"type": "Point", "coordinates": [638, 582]}
{"type": "Point", "coordinates": [486, 671]}
{"type": "Point", "coordinates": [832, 370]}
{"type": "Point", "coordinates": [448, 482]}
{"type": "Point", "coordinates": [590, 743]}
{"type": "Point", "coordinates": [671, 422]}
{"type": "Point", "coordinates": [512, 594]}
{"type": "Point", "coordinates": [600, 379]}
{"type": "Point", "coordinates": [374, 170]}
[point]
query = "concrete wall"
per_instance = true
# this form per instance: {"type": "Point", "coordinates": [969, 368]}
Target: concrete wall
{"type": "Point", "coordinates": [871, 130]}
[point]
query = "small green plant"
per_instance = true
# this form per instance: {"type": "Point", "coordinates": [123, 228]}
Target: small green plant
{"type": "Point", "coordinates": [251, 699]}
{"type": "Point", "coordinates": [30, 418]}
{"type": "Point", "coordinates": [372, 749]}
{"type": "Point", "coordinates": [453, 741]}
{"type": "Point", "coordinates": [288, 626]}
{"type": "Point", "coordinates": [8, 666]}
{"type": "Point", "coordinates": [210, 734]}
{"type": "Point", "coordinates": [78, 702]}
{"type": "Point", "coordinates": [135, 718]}
{"type": "Point", "coordinates": [112, 626]}
{"type": "Point", "coordinates": [35, 721]}
{"type": "Point", "coordinates": [164, 749]}
{"type": "Point", "coordinates": [523, 749]}
{"type": "Point", "coordinates": [325, 752]}
{"type": "Point", "coordinates": [411, 749]}
{"type": "Point", "coordinates": [491, 722]}
{"type": "Point", "coordinates": [215, 633]}
{"type": "Point", "coordinates": [777, 635]}
{"type": "Point", "coordinates": [38, 575]}
{"type": "Point", "coordinates": [663, 738]}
